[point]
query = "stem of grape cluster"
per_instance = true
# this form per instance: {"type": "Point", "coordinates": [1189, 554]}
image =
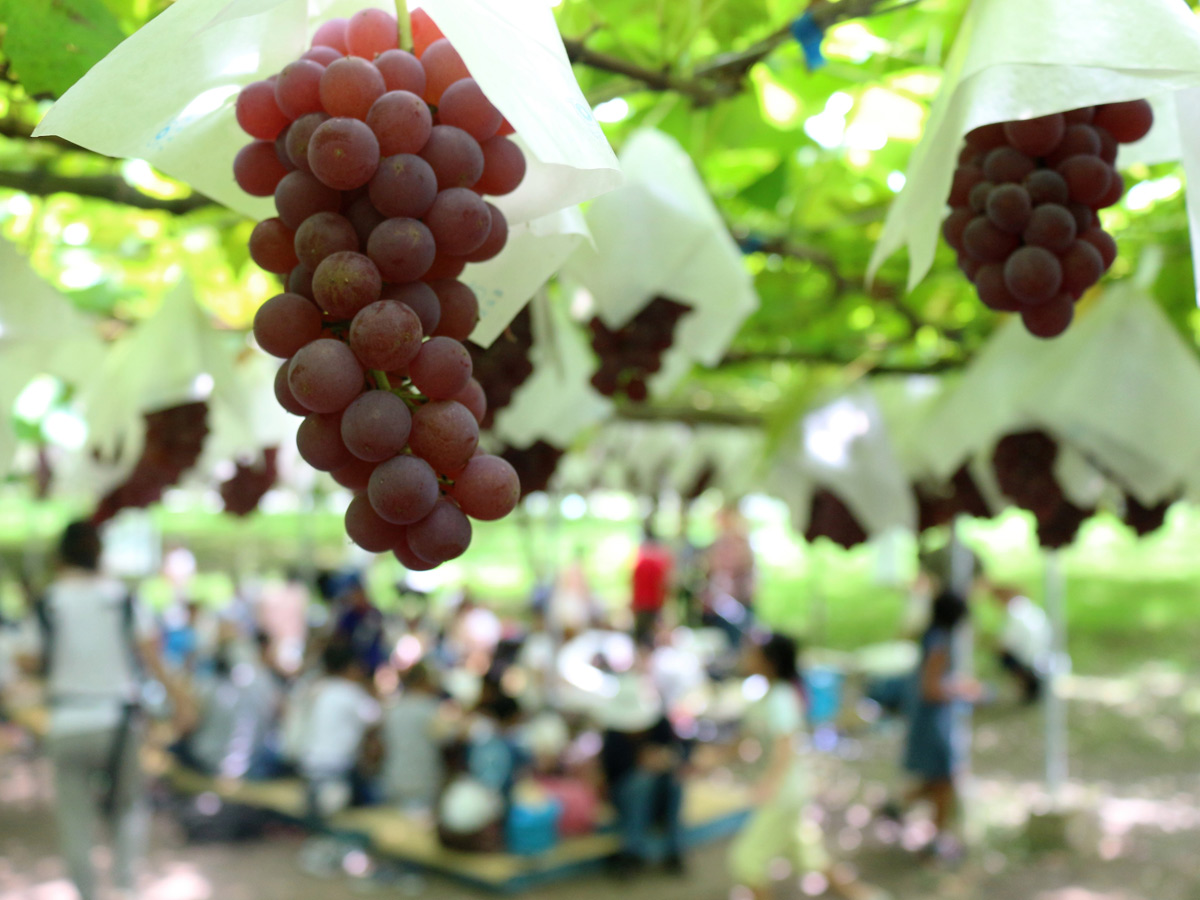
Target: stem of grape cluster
{"type": "Point", "coordinates": [381, 380]}
{"type": "Point", "coordinates": [404, 25]}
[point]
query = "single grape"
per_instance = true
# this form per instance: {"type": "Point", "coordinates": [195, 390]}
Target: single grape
{"type": "Point", "coordinates": [281, 153]}
{"type": "Point", "coordinates": [343, 153]}
{"type": "Point", "coordinates": [349, 86]}
{"type": "Point", "coordinates": [385, 335]}
{"type": "Point", "coordinates": [257, 169]}
{"type": "Point", "coordinates": [375, 427]}
{"type": "Point", "coordinates": [954, 225]}
{"type": "Point", "coordinates": [1051, 226]}
{"type": "Point", "coordinates": [365, 218]}
{"type": "Point", "coordinates": [977, 198]}
{"type": "Point", "coordinates": [989, 283]}
{"type": "Point", "coordinates": [984, 242]}
{"type": "Point", "coordinates": [1085, 216]}
{"type": "Point", "coordinates": [1102, 241]}
{"type": "Point", "coordinates": [460, 309]}
{"type": "Point", "coordinates": [401, 121]}
{"type": "Point", "coordinates": [1108, 146]}
{"type": "Point", "coordinates": [1036, 137]}
{"type": "Point", "coordinates": [322, 235]}
{"type": "Point", "coordinates": [283, 393]}
{"type": "Point", "coordinates": [403, 489]}
{"type": "Point", "coordinates": [1127, 122]}
{"type": "Point", "coordinates": [442, 535]}
{"type": "Point", "coordinates": [987, 137]}
{"type": "Point", "coordinates": [444, 434]}
{"type": "Point", "coordinates": [487, 489]}
{"type": "Point", "coordinates": [425, 32]}
{"type": "Point", "coordinates": [464, 106]}
{"type": "Point", "coordinates": [332, 34]}
{"type": "Point", "coordinates": [1050, 319]}
{"type": "Point", "coordinates": [322, 54]}
{"type": "Point", "coordinates": [445, 266]}
{"type": "Point", "coordinates": [1116, 190]}
{"type": "Point", "coordinates": [1046, 186]}
{"type": "Point", "coordinates": [1082, 116]}
{"type": "Point", "coordinates": [1007, 164]}
{"type": "Point", "coordinates": [355, 475]}
{"type": "Point", "coordinates": [299, 135]}
{"type": "Point", "coordinates": [404, 553]}
{"type": "Point", "coordinates": [1079, 140]}
{"type": "Point", "coordinates": [474, 398]}
{"type": "Point", "coordinates": [402, 248]}
{"type": "Point", "coordinates": [443, 66]}
{"type": "Point", "coordinates": [345, 283]}
{"type": "Point", "coordinates": [965, 178]}
{"type": "Point", "coordinates": [371, 32]}
{"type": "Point", "coordinates": [401, 71]}
{"type": "Point", "coordinates": [441, 368]}
{"type": "Point", "coordinates": [319, 441]}
{"type": "Point", "coordinates": [1087, 177]}
{"type": "Point", "coordinates": [421, 299]}
{"type": "Point", "coordinates": [271, 246]}
{"type": "Point", "coordinates": [324, 376]}
{"type": "Point", "coordinates": [503, 167]}
{"type": "Point", "coordinates": [365, 527]}
{"type": "Point", "coordinates": [257, 112]}
{"type": "Point", "coordinates": [459, 221]}
{"type": "Point", "coordinates": [403, 186]}
{"type": "Point", "coordinates": [1033, 275]}
{"type": "Point", "coordinates": [495, 241]}
{"type": "Point", "coordinates": [298, 88]}
{"type": "Point", "coordinates": [969, 156]}
{"type": "Point", "coordinates": [1009, 208]}
{"type": "Point", "coordinates": [299, 281]}
{"type": "Point", "coordinates": [1082, 267]}
{"type": "Point", "coordinates": [285, 323]}
{"type": "Point", "coordinates": [455, 156]}
{"type": "Point", "coordinates": [300, 195]}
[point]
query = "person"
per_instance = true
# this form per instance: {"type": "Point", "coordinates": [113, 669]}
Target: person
{"type": "Point", "coordinates": [1025, 642]}
{"type": "Point", "coordinates": [340, 712]}
{"type": "Point", "coordinates": [572, 606]}
{"type": "Point", "coordinates": [642, 758]}
{"type": "Point", "coordinates": [779, 825]}
{"type": "Point", "coordinates": [934, 748]}
{"type": "Point", "coordinates": [360, 626]}
{"type": "Point", "coordinates": [94, 644]}
{"type": "Point", "coordinates": [412, 768]}
{"type": "Point", "coordinates": [651, 584]}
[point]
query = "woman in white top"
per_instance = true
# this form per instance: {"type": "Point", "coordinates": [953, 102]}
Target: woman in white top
{"type": "Point", "coordinates": [779, 827]}
{"type": "Point", "coordinates": [96, 645]}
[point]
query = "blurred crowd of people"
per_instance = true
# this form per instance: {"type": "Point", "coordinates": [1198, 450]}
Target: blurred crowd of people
{"type": "Point", "coordinates": [498, 733]}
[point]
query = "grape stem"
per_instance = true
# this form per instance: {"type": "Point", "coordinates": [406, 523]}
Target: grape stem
{"type": "Point", "coordinates": [404, 25]}
{"type": "Point", "coordinates": [381, 380]}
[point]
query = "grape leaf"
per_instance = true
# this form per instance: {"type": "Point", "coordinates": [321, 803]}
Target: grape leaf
{"type": "Point", "coordinates": [52, 43]}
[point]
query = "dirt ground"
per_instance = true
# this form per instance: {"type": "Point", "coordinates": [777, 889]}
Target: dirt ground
{"type": "Point", "coordinates": [1133, 833]}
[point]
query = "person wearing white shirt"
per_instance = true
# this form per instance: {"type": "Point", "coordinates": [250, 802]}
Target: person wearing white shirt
{"type": "Point", "coordinates": [94, 645]}
{"type": "Point", "coordinates": [1025, 641]}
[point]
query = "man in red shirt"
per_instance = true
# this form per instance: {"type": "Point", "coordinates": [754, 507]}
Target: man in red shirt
{"type": "Point", "coordinates": [651, 582]}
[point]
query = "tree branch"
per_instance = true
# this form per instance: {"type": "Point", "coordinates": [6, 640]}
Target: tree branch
{"type": "Point", "coordinates": [103, 187]}
{"type": "Point", "coordinates": [751, 357]}
{"type": "Point", "coordinates": [689, 415]}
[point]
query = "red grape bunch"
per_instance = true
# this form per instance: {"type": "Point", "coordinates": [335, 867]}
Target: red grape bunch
{"type": "Point", "coordinates": [250, 483]}
{"type": "Point", "coordinates": [379, 161]}
{"type": "Point", "coordinates": [1023, 208]}
{"type": "Point", "coordinates": [174, 438]}
{"type": "Point", "coordinates": [631, 354]}
{"type": "Point", "coordinates": [504, 366]}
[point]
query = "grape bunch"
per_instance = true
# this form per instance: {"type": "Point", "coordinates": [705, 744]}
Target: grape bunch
{"type": "Point", "coordinates": [504, 366]}
{"type": "Point", "coordinates": [249, 483]}
{"type": "Point", "coordinates": [535, 464]}
{"type": "Point", "coordinates": [1024, 465]}
{"type": "Point", "coordinates": [174, 438]}
{"type": "Point", "coordinates": [379, 161]}
{"type": "Point", "coordinates": [1023, 208]}
{"type": "Point", "coordinates": [1143, 519]}
{"type": "Point", "coordinates": [630, 355]}
{"type": "Point", "coordinates": [940, 506]}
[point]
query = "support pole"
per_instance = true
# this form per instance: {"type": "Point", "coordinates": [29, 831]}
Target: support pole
{"type": "Point", "coordinates": [1056, 709]}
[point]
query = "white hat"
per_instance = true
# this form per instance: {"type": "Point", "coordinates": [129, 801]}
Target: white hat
{"type": "Point", "coordinates": [633, 706]}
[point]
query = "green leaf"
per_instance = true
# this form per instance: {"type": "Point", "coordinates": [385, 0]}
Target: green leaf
{"type": "Point", "coordinates": [766, 192]}
{"type": "Point", "coordinates": [52, 43]}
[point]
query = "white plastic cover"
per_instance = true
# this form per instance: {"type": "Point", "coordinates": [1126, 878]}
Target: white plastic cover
{"type": "Point", "coordinates": [1018, 59]}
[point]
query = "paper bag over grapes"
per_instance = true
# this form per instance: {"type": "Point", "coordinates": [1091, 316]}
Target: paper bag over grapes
{"type": "Point", "coordinates": [1020, 152]}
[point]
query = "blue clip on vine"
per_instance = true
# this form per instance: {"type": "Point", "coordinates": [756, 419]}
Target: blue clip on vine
{"type": "Point", "coordinates": [809, 35]}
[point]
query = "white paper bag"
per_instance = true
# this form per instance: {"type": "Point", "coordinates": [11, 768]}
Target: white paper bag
{"type": "Point", "coordinates": [1018, 59]}
{"type": "Point", "coordinates": [167, 94]}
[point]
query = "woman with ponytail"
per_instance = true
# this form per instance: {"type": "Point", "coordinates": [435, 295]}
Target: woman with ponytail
{"type": "Point", "coordinates": [782, 788]}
